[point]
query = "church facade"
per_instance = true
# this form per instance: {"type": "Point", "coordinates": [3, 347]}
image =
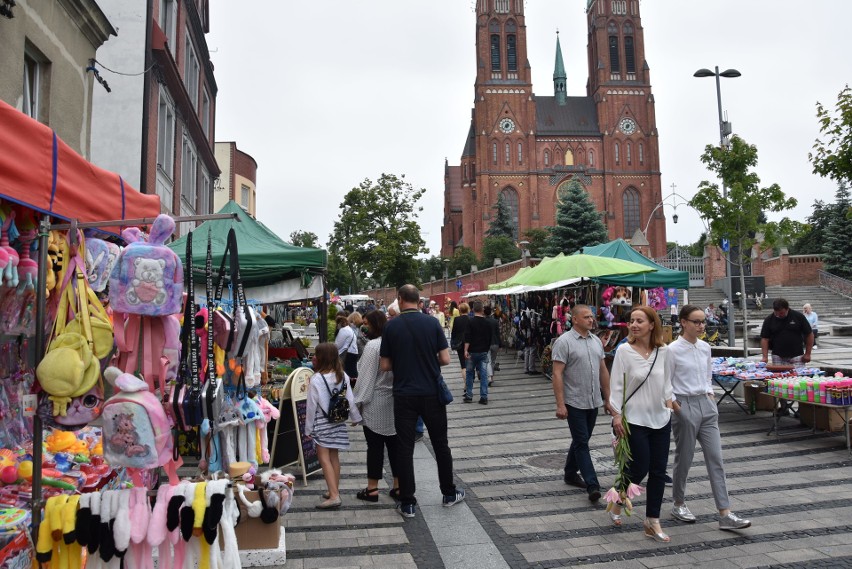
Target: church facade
{"type": "Point", "coordinates": [523, 147]}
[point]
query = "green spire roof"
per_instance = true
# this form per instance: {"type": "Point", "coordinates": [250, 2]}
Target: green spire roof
{"type": "Point", "coordinates": [560, 78]}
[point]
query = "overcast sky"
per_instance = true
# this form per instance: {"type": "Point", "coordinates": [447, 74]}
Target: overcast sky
{"type": "Point", "coordinates": [326, 93]}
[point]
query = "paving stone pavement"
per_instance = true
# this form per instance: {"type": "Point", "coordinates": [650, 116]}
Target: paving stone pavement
{"type": "Point", "coordinates": [797, 491]}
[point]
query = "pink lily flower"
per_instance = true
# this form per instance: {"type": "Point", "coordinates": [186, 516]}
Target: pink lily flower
{"type": "Point", "coordinates": [634, 490]}
{"type": "Point", "coordinates": [612, 496]}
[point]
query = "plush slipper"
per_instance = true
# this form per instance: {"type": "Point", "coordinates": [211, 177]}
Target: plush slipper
{"type": "Point", "coordinates": [368, 494]}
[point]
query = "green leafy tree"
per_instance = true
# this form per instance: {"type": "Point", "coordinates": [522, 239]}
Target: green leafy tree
{"type": "Point", "coordinates": [697, 248]}
{"type": "Point", "coordinates": [814, 234]}
{"type": "Point", "coordinates": [501, 225]}
{"type": "Point", "coordinates": [578, 223]}
{"type": "Point", "coordinates": [837, 249]}
{"type": "Point", "coordinates": [501, 247]}
{"type": "Point", "coordinates": [338, 275]}
{"type": "Point", "coordinates": [462, 259]}
{"type": "Point", "coordinates": [537, 238]}
{"type": "Point", "coordinates": [301, 238]}
{"type": "Point", "coordinates": [431, 267]}
{"type": "Point", "coordinates": [377, 233]}
{"type": "Point", "coordinates": [832, 155]}
{"type": "Point", "coordinates": [737, 216]}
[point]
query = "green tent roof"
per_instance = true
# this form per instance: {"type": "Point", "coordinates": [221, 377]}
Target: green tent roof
{"type": "Point", "coordinates": [620, 249]}
{"type": "Point", "coordinates": [265, 258]}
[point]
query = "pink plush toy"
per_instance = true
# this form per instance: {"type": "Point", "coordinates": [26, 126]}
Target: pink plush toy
{"type": "Point", "coordinates": [270, 412]}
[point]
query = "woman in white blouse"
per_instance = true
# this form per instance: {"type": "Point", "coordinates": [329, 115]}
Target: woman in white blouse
{"type": "Point", "coordinates": [374, 398]}
{"type": "Point", "coordinates": [638, 376]}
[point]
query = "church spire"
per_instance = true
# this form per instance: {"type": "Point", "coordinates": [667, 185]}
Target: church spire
{"type": "Point", "coordinates": [559, 76]}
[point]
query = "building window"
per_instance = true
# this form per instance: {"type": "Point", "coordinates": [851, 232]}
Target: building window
{"type": "Point", "coordinates": [191, 71]}
{"type": "Point", "coordinates": [547, 158]}
{"type": "Point", "coordinates": [511, 53]}
{"type": "Point", "coordinates": [166, 136]}
{"type": "Point", "coordinates": [495, 52]}
{"type": "Point", "coordinates": [33, 71]}
{"type": "Point", "coordinates": [619, 7]}
{"type": "Point", "coordinates": [629, 148]}
{"type": "Point", "coordinates": [508, 153]}
{"type": "Point", "coordinates": [205, 195]}
{"type": "Point", "coordinates": [168, 20]}
{"type": "Point", "coordinates": [205, 113]}
{"type": "Point", "coordinates": [617, 154]}
{"type": "Point", "coordinates": [520, 153]}
{"type": "Point", "coordinates": [189, 174]}
{"type": "Point", "coordinates": [494, 152]}
{"type": "Point", "coordinates": [569, 157]}
{"type": "Point", "coordinates": [591, 158]}
{"type": "Point", "coordinates": [641, 153]}
{"type": "Point", "coordinates": [473, 172]}
{"type": "Point", "coordinates": [245, 196]}
{"type": "Point", "coordinates": [465, 172]}
{"type": "Point", "coordinates": [630, 203]}
{"type": "Point", "coordinates": [501, 6]}
{"type": "Point", "coordinates": [510, 200]}
{"type": "Point", "coordinates": [615, 66]}
{"type": "Point", "coordinates": [629, 56]}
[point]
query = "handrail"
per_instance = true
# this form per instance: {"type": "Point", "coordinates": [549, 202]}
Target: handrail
{"type": "Point", "coordinates": [836, 284]}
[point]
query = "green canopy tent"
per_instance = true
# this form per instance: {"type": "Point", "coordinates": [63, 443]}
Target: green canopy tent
{"type": "Point", "coordinates": [271, 269]}
{"type": "Point", "coordinates": [561, 268]}
{"type": "Point", "coordinates": [620, 249]}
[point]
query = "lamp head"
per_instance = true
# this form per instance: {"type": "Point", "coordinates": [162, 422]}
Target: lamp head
{"type": "Point", "coordinates": [674, 218]}
{"type": "Point", "coordinates": [704, 73]}
{"type": "Point", "coordinates": [730, 73]}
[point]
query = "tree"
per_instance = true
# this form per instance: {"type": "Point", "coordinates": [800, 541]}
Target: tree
{"type": "Point", "coordinates": [697, 248]}
{"type": "Point", "coordinates": [431, 267]}
{"type": "Point", "coordinates": [832, 157]}
{"type": "Point", "coordinates": [813, 236]}
{"type": "Point", "coordinates": [377, 233]}
{"type": "Point", "coordinates": [737, 216]}
{"type": "Point", "coordinates": [578, 223]}
{"type": "Point", "coordinates": [301, 238]}
{"type": "Point", "coordinates": [501, 225]}
{"type": "Point", "coordinates": [463, 258]}
{"type": "Point", "coordinates": [537, 238]}
{"type": "Point", "coordinates": [501, 247]}
{"type": "Point", "coordinates": [837, 249]}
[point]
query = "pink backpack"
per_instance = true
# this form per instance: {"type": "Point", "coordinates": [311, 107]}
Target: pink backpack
{"type": "Point", "coordinates": [136, 430]}
{"type": "Point", "coordinates": [148, 277]}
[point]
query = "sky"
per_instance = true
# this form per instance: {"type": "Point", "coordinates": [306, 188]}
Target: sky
{"type": "Point", "coordinates": [327, 93]}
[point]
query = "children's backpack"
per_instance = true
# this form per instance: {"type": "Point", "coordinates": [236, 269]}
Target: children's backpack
{"type": "Point", "coordinates": [148, 277]}
{"type": "Point", "coordinates": [101, 257]}
{"type": "Point", "coordinates": [338, 405]}
{"type": "Point", "coordinates": [136, 430]}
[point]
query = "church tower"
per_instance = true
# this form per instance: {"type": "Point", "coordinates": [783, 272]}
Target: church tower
{"type": "Point", "coordinates": [620, 85]}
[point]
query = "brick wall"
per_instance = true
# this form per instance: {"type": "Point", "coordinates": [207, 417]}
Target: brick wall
{"type": "Point", "coordinates": [714, 265]}
{"type": "Point", "coordinates": [792, 270]}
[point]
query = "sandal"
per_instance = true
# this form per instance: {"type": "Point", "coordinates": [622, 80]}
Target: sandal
{"type": "Point", "coordinates": [368, 494]}
{"type": "Point", "coordinates": [394, 493]}
{"type": "Point", "coordinates": [655, 535]}
{"type": "Point", "coordinates": [615, 518]}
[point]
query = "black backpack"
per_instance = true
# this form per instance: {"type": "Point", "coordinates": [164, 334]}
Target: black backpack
{"type": "Point", "coordinates": [338, 405]}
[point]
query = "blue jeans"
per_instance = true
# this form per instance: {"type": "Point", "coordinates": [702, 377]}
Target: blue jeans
{"type": "Point", "coordinates": [581, 422]}
{"type": "Point", "coordinates": [477, 362]}
{"type": "Point", "coordinates": [420, 427]}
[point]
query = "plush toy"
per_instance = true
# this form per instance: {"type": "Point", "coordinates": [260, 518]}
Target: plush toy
{"type": "Point", "coordinates": [608, 315]}
{"type": "Point", "coordinates": [607, 294]}
{"type": "Point", "coordinates": [622, 296]}
{"type": "Point", "coordinates": [657, 298]}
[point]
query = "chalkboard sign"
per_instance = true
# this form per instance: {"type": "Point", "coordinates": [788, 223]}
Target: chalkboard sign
{"type": "Point", "coordinates": [289, 444]}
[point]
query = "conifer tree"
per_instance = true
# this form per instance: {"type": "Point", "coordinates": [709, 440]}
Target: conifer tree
{"type": "Point", "coordinates": [578, 223]}
{"type": "Point", "coordinates": [502, 225]}
{"type": "Point", "coordinates": [837, 249]}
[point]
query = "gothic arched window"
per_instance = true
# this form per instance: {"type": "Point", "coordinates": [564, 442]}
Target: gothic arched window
{"type": "Point", "coordinates": [495, 52]}
{"type": "Point", "coordinates": [547, 158]}
{"type": "Point", "coordinates": [591, 158]}
{"type": "Point", "coordinates": [501, 6]}
{"type": "Point", "coordinates": [629, 147]}
{"type": "Point", "coordinates": [494, 152]}
{"type": "Point", "coordinates": [520, 153]}
{"type": "Point", "coordinates": [508, 153]}
{"type": "Point", "coordinates": [569, 157]}
{"type": "Point", "coordinates": [641, 153]}
{"type": "Point", "coordinates": [631, 217]}
{"type": "Point", "coordinates": [629, 56]}
{"type": "Point", "coordinates": [614, 62]}
{"type": "Point", "coordinates": [511, 53]}
{"type": "Point", "coordinates": [510, 200]}
{"type": "Point", "coordinates": [617, 154]}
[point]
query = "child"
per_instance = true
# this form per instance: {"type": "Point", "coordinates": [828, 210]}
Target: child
{"type": "Point", "coordinates": [328, 437]}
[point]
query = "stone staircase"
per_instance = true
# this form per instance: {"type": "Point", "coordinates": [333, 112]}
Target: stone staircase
{"type": "Point", "coordinates": [827, 304]}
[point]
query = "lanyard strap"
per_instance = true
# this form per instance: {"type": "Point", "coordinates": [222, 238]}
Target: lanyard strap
{"type": "Point", "coordinates": [189, 339]}
{"type": "Point", "coordinates": [208, 273]}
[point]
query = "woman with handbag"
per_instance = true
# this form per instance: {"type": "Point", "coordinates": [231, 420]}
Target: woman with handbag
{"type": "Point", "coordinates": [374, 398]}
{"type": "Point", "coordinates": [347, 347]}
{"type": "Point", "coordinates": [642, 392]}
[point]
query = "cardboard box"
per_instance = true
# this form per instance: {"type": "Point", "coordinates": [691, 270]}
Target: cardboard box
{"type": "Point", "coordinates": [826, 419]}
{"type": "Point", "coordinates": [253, 533]}
{"type": "Point", "coordinates": [763, 402]}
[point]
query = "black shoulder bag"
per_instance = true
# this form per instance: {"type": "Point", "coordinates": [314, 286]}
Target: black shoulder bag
{"type": "Point", "coordinates": [445, 396]}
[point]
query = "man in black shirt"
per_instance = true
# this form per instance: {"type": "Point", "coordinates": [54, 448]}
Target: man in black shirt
{"type": "Point", "coordinates": [788, 334]}
{"type": "Point", "coordinates": [477, 344]}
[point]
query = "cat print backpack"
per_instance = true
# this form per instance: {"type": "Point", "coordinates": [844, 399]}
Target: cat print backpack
{"type": "Point", "coordinates": [148, 277]}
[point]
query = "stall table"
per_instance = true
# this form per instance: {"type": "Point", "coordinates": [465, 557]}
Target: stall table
{"type": "Point", "coordinates": [728, 383]}
{"type": "Point", "coordinates": [783, 402]}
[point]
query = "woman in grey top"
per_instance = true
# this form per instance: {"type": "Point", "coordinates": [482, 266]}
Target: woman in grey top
{"type": "Point", "coordinates": [374, 398]}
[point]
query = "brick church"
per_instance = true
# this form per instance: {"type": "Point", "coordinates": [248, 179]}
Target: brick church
{"type": "Point", "coordinates": [524, 147]}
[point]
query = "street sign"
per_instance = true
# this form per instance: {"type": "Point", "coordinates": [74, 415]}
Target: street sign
{"type": "Point", "coordinates": [726, 245]}
{"type": "Point", "coordinates": [459, 284]}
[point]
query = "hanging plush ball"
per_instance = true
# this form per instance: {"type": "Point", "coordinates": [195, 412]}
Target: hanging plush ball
{"type": "Point", "coordinates": [25, 470]}
{"type": "Point", "coordinates": [9, 475]}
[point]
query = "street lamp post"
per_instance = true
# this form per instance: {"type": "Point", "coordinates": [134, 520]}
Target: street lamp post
{"type": "Point", "coordinates": [525, 253]}
{"type": "Point", "coordinates": [446, 265]}
{"type": "Point", "coordinates": [724, 131]}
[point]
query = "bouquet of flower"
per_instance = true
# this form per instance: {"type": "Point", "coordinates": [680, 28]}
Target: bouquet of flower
{"type": "Point", "coordinates": [623, 491]}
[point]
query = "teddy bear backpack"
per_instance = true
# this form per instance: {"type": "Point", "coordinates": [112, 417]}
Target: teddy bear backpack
{"type": "Point", "coordinates": [148, 277]}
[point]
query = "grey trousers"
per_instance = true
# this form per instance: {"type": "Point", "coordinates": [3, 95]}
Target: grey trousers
{"type": "Point", "coordinates": [698, 420]}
